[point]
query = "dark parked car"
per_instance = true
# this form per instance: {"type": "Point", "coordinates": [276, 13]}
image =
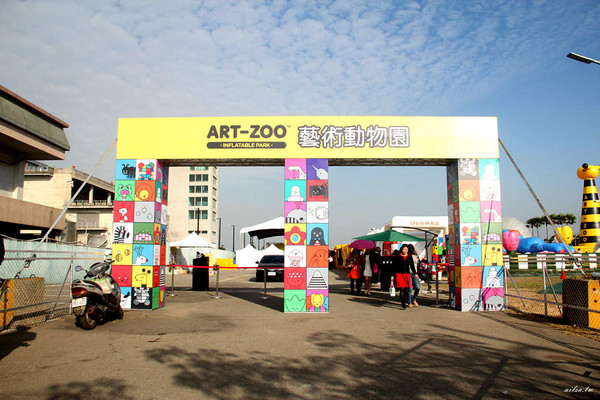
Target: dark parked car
{"type": "Point", "coordinates": [274, 265]}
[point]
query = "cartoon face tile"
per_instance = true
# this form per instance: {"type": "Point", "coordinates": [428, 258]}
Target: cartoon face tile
{"type": "Point", "coordinates": [493, 299]}
{"type": "Point", "coordinates": [469, 211]}
{"type": "Point", "coordinates": [295, 212]}
{"type": "Point", "coordinates": [163, 214]}
{"type": "Point", "coordinates": [470, 255]}
{"type": "Point", "coordinates": [471, 277]}
{"type": "Point", "coordinates": [157, 213]}
{"type": "Point", "coordinates": [468, 168]}
{"type": "Point", "coordinates": [125, 298]}
{"type": "Point", "coordinates": [489, 190]}
{"type": "Point", "coordinates": [124, 190]}
{"type": "Point", "coordinates": [317, 234]}
{"type": "Point", "coordinates": [122, 254]}
{"type": "Point", "coordinates": [317, 190]}
{"type": "Point", "coordinates": [141, 276]}
{"type": "Point", "coordinates": [122, 274]}
{"type": "Point", "coordinates": [317, 300]}
{"type": "Point", "coordinates": [470, 234]}
{"type": "Point", "coordinates": [295, 234]}
{"type": "Point", "coordinates": [493, 277]}
{"type": "Point", "coordinates": [317, 168]}
{"type": "Point", "coordinates": [295, 257]}
{"type": "Point", "coordinates": [123, 211]}
{"type": "Point", "coordinates": [492, 254]}
{"type": "Point", "coordinates": [317, 212]}
{"type": "Point", "coordinates": [471, 300]}
{"type": "Point", "coordinates": [489, 169]}
{"type": "Point", "coordinates": [317, 256]}
{"type": "Point", "coordinates": [491, 211]}
{"type": "Point", "coordinates": [165, 194]}
{"type": "Point", "coordinates": [295, 190]}
{"type": "Point", "coordinates": [145, 190]}
{"type": "Point", "coordinates": [295, 168]}
{"type": "Point", "coordinates": [145, 170]}
{"type": "Point", "coordinates": [141, 298]}
{"type": "Point", "coordinates": [122, 232]}
{"type": "Point", "coordinates": [143, 211]}
{"type": "Point", "coordinates": [156, 236]}
{"type": "Point", "coordinates": [294, 279]}
{"type": "Point", "coordinates": [163, 235]}
{"type": "Point", "coordinates": [468, 190]}
{"type": "Point", "coordinates": [317, 278]}
{"type": "Point", "coordinates": [125, 170]}
{"type": "Point", "coordinates": [156, 256]}
{"type": "Point", "coordinates": [143, 233]}
{"type": "Point", "coordinates": [158, 192]}
{"type": "Point", "coordinates": [294, 301]}
{"type": "Point", "coordinates": [143, 254]}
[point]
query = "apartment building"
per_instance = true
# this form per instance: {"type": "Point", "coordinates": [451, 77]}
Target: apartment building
{"type": "Point", "coordinates": [193, 203]}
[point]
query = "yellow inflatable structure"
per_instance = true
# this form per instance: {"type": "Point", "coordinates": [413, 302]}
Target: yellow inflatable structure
{"type": "Point", "coordinates": [589, 232]}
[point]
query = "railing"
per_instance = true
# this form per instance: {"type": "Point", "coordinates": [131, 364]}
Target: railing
{"type": "Point", "coordinates": [93, 203]}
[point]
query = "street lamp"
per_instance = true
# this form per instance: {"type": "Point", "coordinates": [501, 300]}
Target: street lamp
{"type": "Point", "coordinates": [219, 237]}
{"type": "Point", "coordinates": [233, 237]}
{"type": "Point", "coordinates": [582, 59]}
{"type": "Point", "coordinates": [198, 220]}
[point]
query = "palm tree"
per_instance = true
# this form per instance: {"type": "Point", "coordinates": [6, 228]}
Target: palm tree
{"type": "Point", "coordinates": [570, 219]}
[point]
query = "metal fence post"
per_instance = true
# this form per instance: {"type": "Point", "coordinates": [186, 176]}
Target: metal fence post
{"type": "Point", "coordinates": [265, 282]}
{"type": "Point", "coordinates": [217, 296]}
{"type": "Point", "coordinates": [172, 280]}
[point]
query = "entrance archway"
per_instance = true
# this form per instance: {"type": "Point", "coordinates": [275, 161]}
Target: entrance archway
{"type": "Point", "coordinates": [307, 147]}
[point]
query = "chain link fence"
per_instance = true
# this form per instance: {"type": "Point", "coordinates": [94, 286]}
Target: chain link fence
{"type": "Point", "coordinates": [35, 280]}
{"type": "Point", "coordinates": [556, 286]}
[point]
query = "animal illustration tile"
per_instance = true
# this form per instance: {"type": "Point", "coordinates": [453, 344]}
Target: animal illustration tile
{"type": "Point", "coordinates": [493, 299]}
{"type": "Point", "coordinates": [145, 170]}
{"type": "Point", "coordinates": [157, 235]}
{"type": "Point", "coordinates": [156, 257]}
{"type": "Point", "coordinates": [141, 276]}
{"type": "Point", "coordinates": [471, 277]}
{"type": "Point", "coordinates": [317, 300]}
{"type": "Point", "coordinates": [142, 298]}
{"type": "Point", "coordinates": [317, 278]}
{"type": "Point", "coordinates": [491, 233]}
{"type": "Point", "coordinates": [317, 168]}
{"type": "Point", "coordinates": [468, 168]}
{"type": "Point", "coordinates": [317, 212]}
{"type": "Point", "coordinates": [489, 190]}
{"type": "Point", "coordinates": [470, 255]}
{"type": "Point", "coordinates": [143, 232]}
{"type": "Point", "coordinates": [294, 301]}
{"type": "Point", "coordinates": [317, 234]}
{"type": "Point", "coordinates": [123, 211]}
{"type": "Point", "coordinates": [452, 172]}
{"type": "Point", "coordinates": [469, 211]}
{"type": "Point", "coordinates": [125, 298]}
{"type": "Point", "coordinates": [122, 274]}
{"type": "Point", "coordinates": [295, 234]}
{"type": "Point", "coordinates": [295, 168]}
{"type": "Point", "coordinates": [163, 214]}
{"type": "Point", "coordinates": [145, 191]}
{"type": "Point", "coordinates": [489, 169]}
{"type": "Point", "coordinates": [143, 254]}
{"type": "Point", "coordinates": [144, 211]}
{"type": "Point", "coordinates": [491, 211]}
{"type": "Point", "coordinates": [471, 299]}
{"type": "Point", "coordinates": [492, 254]}
{"type": "Point", "coordinates": [294, 278]}
{"type": "Point", "coordinates": [295, 257]}
{"type": "Point", "coordinates": [493, 277]}
{"type": "Point", "coordinates": [157, 212]}
{"type": "Point", "coordinates": [122, 254]}
{"type": "Point", "coordinates": [317, 190]}
{"type": "Point", "coordinates": [295, 212]}
{"type": "Point", "coordinates": [122, 232]}
{"type": "Point", "coordinates": [295, 190]}
{"type": "Point", "coordinates": [317, 256]}
{"type": "Point", "coordinates": [470, 234]}
{"type": "Point", "coordinates": [468, 190]}
{"type": "Point", "coordinates": [124, 190]}
{"type": "Point", "coordinates": [125, 170]}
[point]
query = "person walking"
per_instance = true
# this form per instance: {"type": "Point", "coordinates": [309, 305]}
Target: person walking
{"type": "Point", "coordinates": [415, 282]}
{"type": "Point", "coordinates": [402, 274]}
{"type": "Point", "coordinates": [368, 271]}
{"type": "Point", "coordinates": [353, 265]}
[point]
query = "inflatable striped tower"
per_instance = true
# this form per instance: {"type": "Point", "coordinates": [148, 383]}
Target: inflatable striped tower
{"type": "Point", "coordinates": [589, 232]}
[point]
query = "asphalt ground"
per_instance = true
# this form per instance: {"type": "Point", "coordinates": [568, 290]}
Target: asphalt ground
{"type": "Point", "coordinates": [242, 346]}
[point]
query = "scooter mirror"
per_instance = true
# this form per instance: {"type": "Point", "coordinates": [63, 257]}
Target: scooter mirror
{"type": "Point", "coordinates": [78, 268]}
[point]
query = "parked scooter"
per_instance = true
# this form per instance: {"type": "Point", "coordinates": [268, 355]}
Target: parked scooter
{"type": "Point", "coordinates": [97, 297]}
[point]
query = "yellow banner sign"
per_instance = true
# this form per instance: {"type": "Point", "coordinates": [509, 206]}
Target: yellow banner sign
{"type": "Point", "coordinates": [333, 137]}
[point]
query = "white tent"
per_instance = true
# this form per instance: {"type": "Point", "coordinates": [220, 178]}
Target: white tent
{"type": "Point", "coordinates": [267, 229]}
{"type": "Point", "coordinates": [193, 240]}
{"type": "Point", "coordinates": [271, 250]}
{"type": "Point", "coordinates": [248, 256]}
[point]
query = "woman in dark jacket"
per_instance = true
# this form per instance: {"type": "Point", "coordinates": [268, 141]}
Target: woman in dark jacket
{"type": "Point", "coordinates": [403, 266]}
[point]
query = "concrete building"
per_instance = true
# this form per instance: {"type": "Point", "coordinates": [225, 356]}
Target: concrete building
{"type": "Point", "coordinates": [27, 132]}
{"type": "Point", "coordinates": [90, 215]}
{"type": "Point", "coordinates": [193, 199]}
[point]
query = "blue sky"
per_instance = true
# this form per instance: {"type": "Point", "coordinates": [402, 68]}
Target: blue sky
{"type": "Point", "coordinates": [90, 63]}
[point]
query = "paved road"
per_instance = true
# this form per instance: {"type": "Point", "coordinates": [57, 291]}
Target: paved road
{"type": "Point", "coordinates": [243, 347]}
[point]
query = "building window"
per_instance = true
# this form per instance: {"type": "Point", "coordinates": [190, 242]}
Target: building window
{"type": "Point", "coordinates": [197, 201]}
{"type": "Point", "coordinates": [197, 214]}
{"type": "Point", "coordinates": [192, 189]}
{"type": "Point", "coordinates": [204, 189]}
{"type": "Point", "coordinates": [196, 168]}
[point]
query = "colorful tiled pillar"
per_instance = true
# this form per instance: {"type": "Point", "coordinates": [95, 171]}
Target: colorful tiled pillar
{"type": "Point", "coordinates": [306, 206]}
{"type": "Point", "coordinates": [475, 271]}
{"type": "Point", "coordinates": [139, 246]}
